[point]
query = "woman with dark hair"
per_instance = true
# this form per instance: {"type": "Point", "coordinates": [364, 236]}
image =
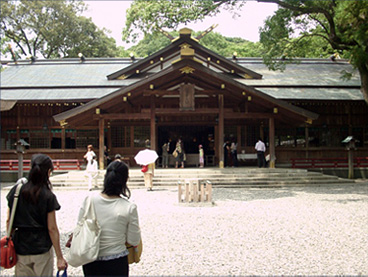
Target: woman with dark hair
{"type": "Point", "coordinates": [118, 219]}
{"type": "Point", "coordinates": [35, 224]}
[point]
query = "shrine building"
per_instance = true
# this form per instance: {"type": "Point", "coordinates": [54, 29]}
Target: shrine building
{"type": "Point", "coordinates": [182, 91]}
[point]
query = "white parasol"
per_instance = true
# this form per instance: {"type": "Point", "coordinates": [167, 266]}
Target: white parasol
{"type": "Point", "coordinates": [146, 156]}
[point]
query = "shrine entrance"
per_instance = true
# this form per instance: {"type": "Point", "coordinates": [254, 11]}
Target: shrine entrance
{"type": "Point", "coordinates": [192, 137]}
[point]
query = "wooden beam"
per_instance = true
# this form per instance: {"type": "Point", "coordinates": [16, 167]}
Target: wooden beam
{"type": "Point", "coordinates": [234, 115]}
{"type": "Point", "coordinates": [126, 116]}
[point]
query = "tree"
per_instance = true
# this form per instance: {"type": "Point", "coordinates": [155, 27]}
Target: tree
{"type": "Point", "coordinates": [149, 16]}
{"type": "Point", "coordinates": [342, 24]}
{"type": "Point", "coordinates": [52, 29]}
{"type": "Point", "coordinates": [224, 46]}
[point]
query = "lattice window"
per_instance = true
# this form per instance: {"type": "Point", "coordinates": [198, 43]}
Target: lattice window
{"type": "Point", "coordinates": [70, 138]}
{"type": "Point", "coordinates": [230, 132]}
{"type": "Point", "coordinates": [358, 134]}
{"type": "Point", "coordinates": [252, 135]}
{"type": "Point", "coordinates": [285, 137]}
{"type": "Point", "coordinates": [141, 134]}
{"type": "Point", "coordinates": [86, 137]}
{"type": "Point", "coordinates": [243, 134]}
{"type": "Point", "coordinates": [120, 136]}
{"type": "Point", "coordinates": [8, 139]}
{"type": "Point", "coordinates": [56, 135]}
{"type": "Point", "coordinates": [39, 139]}
{"type": "Point", "coordinates": [365, 136]}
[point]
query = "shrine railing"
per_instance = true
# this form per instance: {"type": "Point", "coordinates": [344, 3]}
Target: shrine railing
{"type": "Point", "coordinates": [328, 163]}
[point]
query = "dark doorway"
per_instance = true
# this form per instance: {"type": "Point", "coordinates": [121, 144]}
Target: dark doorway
{"type": "Point", "coordinates": [192, 137]}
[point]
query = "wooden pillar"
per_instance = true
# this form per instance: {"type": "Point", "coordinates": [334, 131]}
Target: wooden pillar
{"type": "Point", "coordinates": [62, 138]}
{"type": "Point", "coordinates": [153, 122]}
{"type": "Point", "coordinates": [18, 121]}
{"type": "Point", "coordinates": [221, 131]}
{"type": "Point", "coordinates": [261, 131]}
{"type": "Point", "coordinates": [108, 138]}
{"type": "Point", "coordinates": [101, 129]}
{"type": "Point", "coordinates": [306, 141]}
{"type": "Point", "coordinates": [272, 141]}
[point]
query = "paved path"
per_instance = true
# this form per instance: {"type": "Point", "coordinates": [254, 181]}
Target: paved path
{"type": "Point", "coordinates": [290, 231]}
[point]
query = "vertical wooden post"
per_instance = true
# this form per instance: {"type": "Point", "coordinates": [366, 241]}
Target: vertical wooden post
{"type": "Point", "coordinates": [186, 184]}
{"type": "Point", "coordinates": [153, 123]}
{"type": "Point", "coordinates": [209, 192]}
{"type": "Point", "coordinates": [180, 192]}
{"type": "Point", "coordinates": [203, 193]}
{"type": "Point", "coordinates": [108, 142]}
{"type": "Point", "coordinates": [306, 141]}
{"type": "Point", "coordinates": [272, 141]}
{"type": "Point", "coordinates": [18, 121]}
{"type": "Point", "coordinates": [261, 131]}
{"type": "Point", "coordinates": [101, 128]}
{"type": "Point", "coordinates": [62, 138]}
{"type": "Point", "coordinates": [221, 131]}
{"type": "Point", "coordinates": [350, 163]}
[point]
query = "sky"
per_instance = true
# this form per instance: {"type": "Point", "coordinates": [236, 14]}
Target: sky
{"type": "Point", "coordinates": [111, 15]}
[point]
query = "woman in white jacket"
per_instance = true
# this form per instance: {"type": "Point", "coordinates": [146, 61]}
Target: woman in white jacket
{"type": "Point", "coordinates": [119, 223]}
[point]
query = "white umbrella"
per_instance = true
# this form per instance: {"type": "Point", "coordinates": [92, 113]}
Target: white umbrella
{"type": "Point", "coordinates": [146, 156]}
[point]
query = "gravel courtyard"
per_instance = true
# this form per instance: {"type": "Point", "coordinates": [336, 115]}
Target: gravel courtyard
{"type": "Point", "coordinates": [287, 231]}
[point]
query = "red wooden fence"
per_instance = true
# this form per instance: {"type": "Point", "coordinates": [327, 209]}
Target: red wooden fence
{"type": "Point", "coordinates": [66, 164]}
{"type": "Point", "coordinates": [328, 163]}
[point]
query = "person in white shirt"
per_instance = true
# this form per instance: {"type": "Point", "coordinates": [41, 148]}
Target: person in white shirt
{"type": "Point", "coordinates": [119, 223]}
{"type": "Point", "coordinates": [92, 173]}
{"type": "Point", "coordinates": [261, 149]}
{"type": "Point", "coordinates": [90, 154]}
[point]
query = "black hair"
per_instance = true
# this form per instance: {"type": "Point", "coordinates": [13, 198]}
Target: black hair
{"type": "Point", "coordinates": [38, 177]}
{"type": "Point", "coordinates": [116, 177]}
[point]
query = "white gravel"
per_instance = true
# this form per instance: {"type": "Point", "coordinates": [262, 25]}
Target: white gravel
{"type": "Point", "coordinates": [288, 231]}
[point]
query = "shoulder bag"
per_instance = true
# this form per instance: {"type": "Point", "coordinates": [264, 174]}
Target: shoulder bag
{"type": "Point", "coordinates": [85, 244]}
{"type": "Point", "coordinates": [8, 257]}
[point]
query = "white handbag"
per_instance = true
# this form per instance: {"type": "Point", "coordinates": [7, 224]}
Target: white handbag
{"type": "Point", "coordinates": [85, 244]}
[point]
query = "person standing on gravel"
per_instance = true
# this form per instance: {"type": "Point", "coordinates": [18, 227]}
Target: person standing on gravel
{"type": "Point", "coordinates": [261, 149]}
{"type": "Point", "coordinates": [119, 223]}
{"type": "Point", "coordinates": [35, 226]}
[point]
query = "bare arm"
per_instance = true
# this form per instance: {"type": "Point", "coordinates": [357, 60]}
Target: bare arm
{"type": "Point", "coordinates": [55, 238]}
{"type": "Point", "coordinates": [7, 219]}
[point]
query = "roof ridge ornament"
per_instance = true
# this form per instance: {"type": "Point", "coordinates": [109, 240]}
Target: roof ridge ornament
{"type": "Point", "coordinates": [187, 32]}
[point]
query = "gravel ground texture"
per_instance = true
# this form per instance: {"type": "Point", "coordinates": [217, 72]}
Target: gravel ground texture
{"type": "Point", "coordinates": [247, 231]}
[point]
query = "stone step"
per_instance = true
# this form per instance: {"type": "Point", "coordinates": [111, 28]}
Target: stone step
{"type": "Point", "coordinates": [229, 177]}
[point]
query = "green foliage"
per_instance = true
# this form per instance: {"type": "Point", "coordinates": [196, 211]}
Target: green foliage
{"type": "Point", "coordinates": [148, 17]}
{"type": "Point", "coordinates": [224, 46]}
{"type": "Point", "coordinates": [150, 44]}
{"type": "Point", "coordinates": [52, 29]}
{"type": "Point", "coordinates": [326, 26]}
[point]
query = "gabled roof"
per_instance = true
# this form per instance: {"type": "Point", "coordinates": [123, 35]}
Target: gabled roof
{"type": "Point", "coordinates": [187, 70]}
{"type": "Point", "coordinates": [184, 44]}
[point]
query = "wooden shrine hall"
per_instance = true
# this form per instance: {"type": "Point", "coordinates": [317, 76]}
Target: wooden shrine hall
{"type": "Point", "coordinates": [182, 91]}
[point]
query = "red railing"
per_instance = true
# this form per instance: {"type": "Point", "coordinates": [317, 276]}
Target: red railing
{"type": "Point", "coordinates": [328, 163]}
{"type": "Point", "coordinates": [67, 164]}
